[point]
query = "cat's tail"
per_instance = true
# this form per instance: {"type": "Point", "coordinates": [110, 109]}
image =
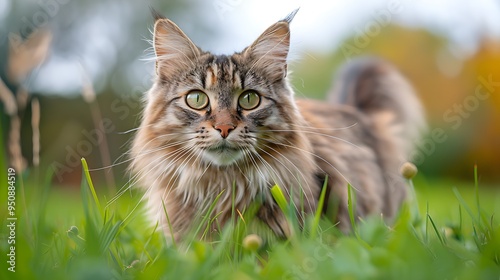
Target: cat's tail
{"type": "Point", "coordinates": [379, 90]}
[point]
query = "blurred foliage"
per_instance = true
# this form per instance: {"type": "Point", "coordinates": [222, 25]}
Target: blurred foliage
{"type": "Point", "coordinates": [446, 83]}
{"type": "Point", "coordinates": [103, 39]}
{"type": "Point", "coordinates": [450, 237]}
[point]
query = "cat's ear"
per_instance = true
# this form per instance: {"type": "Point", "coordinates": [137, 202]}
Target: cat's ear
{"type": "Point", "coordinates": [173, 49]}
{"type": "Point", "coordinates": [270, 50]}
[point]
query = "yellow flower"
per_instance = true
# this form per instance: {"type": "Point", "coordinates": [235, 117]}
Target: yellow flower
{"type": "Point", "coordinates": [252, 242]}
{"type": "Point", "coordinates": [408, 170]}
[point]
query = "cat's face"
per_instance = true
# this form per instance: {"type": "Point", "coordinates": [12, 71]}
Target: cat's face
{"type": "Point", "coordinates": [222, 109]}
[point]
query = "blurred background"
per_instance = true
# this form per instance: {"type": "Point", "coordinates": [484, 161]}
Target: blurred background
{"type": "Point", "coordinates": [76, 71]}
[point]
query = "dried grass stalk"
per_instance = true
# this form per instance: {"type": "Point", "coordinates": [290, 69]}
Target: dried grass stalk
{"type": "Point", "coordinates": [88, 92]}
{"type": "Point", "coordinates": [35, 126]}
{"type": "Point", "coordinates": [16, 157]}
{"type": "Point", "coordinates": [8, 100]}
{"type": "Point", "coordinates": [22, 97]}
{"type": "Point", "coordinates": [25, 55]}
{"type": "Point", "coordinates": [89, 96]}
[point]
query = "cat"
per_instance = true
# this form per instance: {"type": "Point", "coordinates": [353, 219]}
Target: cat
{"type": "Point", "coordinates": [221, 130]}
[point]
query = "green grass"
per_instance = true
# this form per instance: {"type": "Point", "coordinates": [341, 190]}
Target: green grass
{"type": "Point", "coordinates": [452, 234]}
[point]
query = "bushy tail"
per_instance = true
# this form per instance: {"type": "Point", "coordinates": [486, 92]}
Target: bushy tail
{"type": "Point", "coordinates": [377, 89]}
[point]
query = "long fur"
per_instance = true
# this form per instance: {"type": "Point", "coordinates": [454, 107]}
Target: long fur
{"type": "Point", "coordinates": [185, 163]}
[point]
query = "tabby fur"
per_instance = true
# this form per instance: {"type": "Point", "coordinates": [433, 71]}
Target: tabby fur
{"type": "Point", "coordinates": [185, 161]}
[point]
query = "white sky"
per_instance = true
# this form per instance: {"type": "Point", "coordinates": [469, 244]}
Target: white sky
{"type": "Point", "coordinates": [319, 26]}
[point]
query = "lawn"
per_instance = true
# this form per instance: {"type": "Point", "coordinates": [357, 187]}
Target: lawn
{"type": "Point", "coordinates": [62, 234]}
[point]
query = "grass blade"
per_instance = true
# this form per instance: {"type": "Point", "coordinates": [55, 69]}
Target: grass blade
{"type": "Point", "coordinates": [169, 223]}
{"type": "Point", "coordinates": [427, 223]}
{"type": "Point", "coordinates": [280, 198]}
{"type": "Point", "coordinates": [476, 191]}
{"type": "Point", "coordinates": [351, 206]}
{"type": "Point", "coordinates": [436, 229]}
{"type": "Point", "coordinates": [108, 234]}
{"type": "Point", "coordinates": [206, 219]}
{"type": "Point", "coordinates": [319, 210]}
{"type": "Point", "coordinates": [467, 208]}
{"type": "Point", "coordinates": [90, 184]}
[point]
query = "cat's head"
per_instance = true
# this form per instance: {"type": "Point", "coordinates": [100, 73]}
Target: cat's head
{"type": "Point", "coordinates": [221, 108]}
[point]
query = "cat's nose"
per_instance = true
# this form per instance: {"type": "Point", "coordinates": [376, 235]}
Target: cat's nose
{"type": "Point", "coordinates": [224, 129]}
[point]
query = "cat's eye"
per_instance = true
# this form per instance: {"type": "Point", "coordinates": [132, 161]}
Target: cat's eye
{"type": "Point", "coordinates": [249, 100]}
{"type": "Point", "coordinates": [197, 99]}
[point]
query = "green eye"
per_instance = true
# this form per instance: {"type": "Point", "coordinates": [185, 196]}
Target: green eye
{"type": "Point", "coordinates": [249, 100]}
{"type": "Point", "coordinates": [197, 99]}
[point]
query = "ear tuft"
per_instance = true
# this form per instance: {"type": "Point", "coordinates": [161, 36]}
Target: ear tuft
{"type": "Point", "coordinates": [156, 15]}
{"type": "Point", "coordinates": [290, 16]}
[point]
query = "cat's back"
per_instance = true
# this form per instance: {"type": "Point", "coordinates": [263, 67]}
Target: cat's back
{"type": "Point", "coordinates": [334, 125]}
{"type": "Point", "coordinates": [363, 134]}
{"type": "Point", "coordinates": [337, 131]}
{"type": "Point", "coordinates": [326, 115]}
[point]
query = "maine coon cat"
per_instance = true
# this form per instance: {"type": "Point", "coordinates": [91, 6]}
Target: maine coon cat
{"type": "Point", "coordinates": [214, 124]}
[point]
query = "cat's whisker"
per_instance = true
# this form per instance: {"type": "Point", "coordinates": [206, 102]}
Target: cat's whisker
{"type": "Point", "coordinates": [180, 155]}
{"type": "Point", "coordinates": [318, 167]}
{"type": "Point", "coordinates": [325, 128]}
{"type": "Point", "coordinates": [280, 162]}
{"type": "Point", "coordinates": [110, 166]}
{"type": "Point", "coordinates": [166, 191]}
{"type": "Point", "coordinates": [270, 168]}
{"type": "Point", "coordinates": [255, 164]}
{"type": "Point", "coordinates": [160, 148]}
{"type": "Point", "coordinates": [134, 179]}
{"type": "Point", "coordinates": [165, 145]}
{"type": "Point", "coordinates": [266, 165]}
{"type": "Point", "coordinates": [134, 129]}
{"type": "Point", "coordinates": [177, 172]}
{"type": "Point", "coordinates": [199, 154]}
{"type": "Point", "coordinates": [128, 185]}
{"type": "Point", "coordinates": [254, 168]}
{"type": "Point", "coordinates": [143, 196]}
{"type": "Point", "coordinates": [144, 153]}
{"type": "Point", "coordinates": [243, 173]}
{"type": "Point", "coordinates": [299, 182]}
{"type": "Point", "coordinates": [316, 156]}
{"type": "Point", "coordinates": [204, 171]}
{"type": "Point", "coordinates": [314, 133]}
{"type": "Point", "coordinates": [283, 185]}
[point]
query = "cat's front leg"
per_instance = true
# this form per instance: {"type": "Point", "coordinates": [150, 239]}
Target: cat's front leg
{"type": "Point", "coordinates": [275, 219]}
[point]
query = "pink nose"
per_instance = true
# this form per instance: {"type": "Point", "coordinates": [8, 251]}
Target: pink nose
{"type": "Point", "coordinates": [224, 129]}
